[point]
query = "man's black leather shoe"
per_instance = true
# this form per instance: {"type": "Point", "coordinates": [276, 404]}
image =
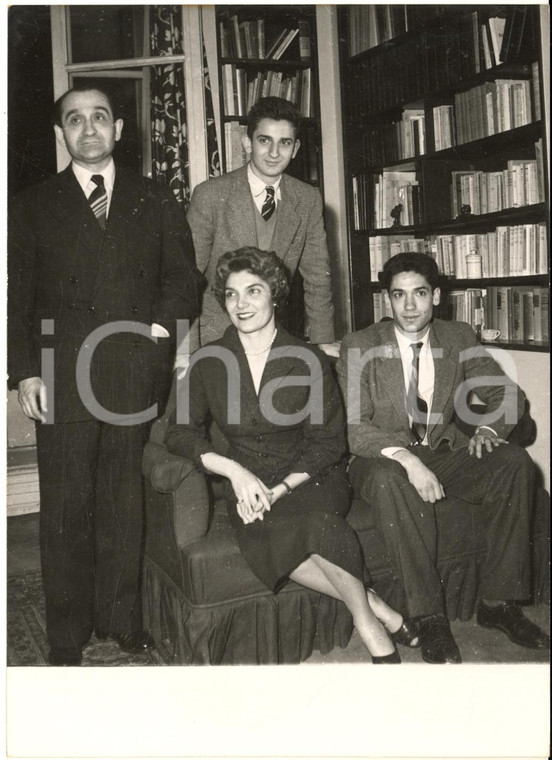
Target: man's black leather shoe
{"type": "Point", "coordinates": [64, 657]}
{"type": "Point", "coordinates": [438, 644]}
{"type": "Point", "coordinates": [509, 619]}
{"type": "Point", "coordinates": [138, 642]}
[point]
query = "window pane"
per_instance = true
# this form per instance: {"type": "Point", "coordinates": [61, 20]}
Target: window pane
{"type": "Point", "coordinates": [106, 32]}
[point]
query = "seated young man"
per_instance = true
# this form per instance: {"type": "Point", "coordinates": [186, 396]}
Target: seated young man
{"type": "Point", "coordinates": [403, 381]}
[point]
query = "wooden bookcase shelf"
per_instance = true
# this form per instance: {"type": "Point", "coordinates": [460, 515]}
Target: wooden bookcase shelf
{"type": "Point", "coordinates": [444, 154]}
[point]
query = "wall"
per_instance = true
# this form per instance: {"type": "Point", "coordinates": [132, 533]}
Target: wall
{"type": "Point", "coordinates": [532, 373]}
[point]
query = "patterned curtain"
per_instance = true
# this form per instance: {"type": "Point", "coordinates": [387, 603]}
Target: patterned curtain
{"type": "Point", "coordinates": [170, 160]}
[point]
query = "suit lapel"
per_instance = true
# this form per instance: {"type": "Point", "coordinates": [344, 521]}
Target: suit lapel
{"type": "Point", "coordinates": [287, 220]}
{"type": "Point", "coordinates": [390, 372]}
{"type": "Point", "coordinates": [445, 372]}
{"type": "Point", "coordinates": [127, 201]}
{"type": "Point", "coordinates": [71, 208]}
{"type": "Point", "coordinates": [242, 211]}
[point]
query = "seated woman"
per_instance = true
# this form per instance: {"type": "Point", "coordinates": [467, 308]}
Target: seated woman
{"type": "Point", "coordinates": [283, 464]}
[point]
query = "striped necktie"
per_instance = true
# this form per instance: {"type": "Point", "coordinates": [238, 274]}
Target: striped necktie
{"type": "Point", "coordinates": [415, 405]}
{"type": "Point", "coordinates": [98, 200]}
{"type": "Point", "coordinates": [269, 205]}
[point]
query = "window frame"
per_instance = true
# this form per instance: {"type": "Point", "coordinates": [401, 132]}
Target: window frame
{"type": "Point", "coordinates": [191, 60]}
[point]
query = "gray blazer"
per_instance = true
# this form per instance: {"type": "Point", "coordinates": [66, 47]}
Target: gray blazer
{"type": "Point", "coordinates": [375, 394]}
{"type": "Point", "coordinates": [221, 217]}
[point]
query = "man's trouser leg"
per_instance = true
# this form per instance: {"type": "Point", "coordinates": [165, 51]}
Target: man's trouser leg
{"type": "Point", "coordinates": [91, 528]}
{"type": "Point", "coordinates": [67, 471]}
{"type": "Point", "coordinates": [502, 485]}
{"type": "Point", "coordinates": [408, 527]}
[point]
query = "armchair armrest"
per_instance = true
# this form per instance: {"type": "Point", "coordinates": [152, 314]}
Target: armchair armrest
{"type": "Point", "coordinates": [164, 470]}
{"type": "Point", "coordinates": [177, 501]}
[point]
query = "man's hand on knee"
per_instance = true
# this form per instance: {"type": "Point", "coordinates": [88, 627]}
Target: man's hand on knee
{"type": "Point", "coordinates": [483, 439]}
{"type": "Point", "coordinates": [422, 478]}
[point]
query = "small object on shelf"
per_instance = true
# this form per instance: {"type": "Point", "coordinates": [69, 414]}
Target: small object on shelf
{"type": "Point", "coordinates": [474, 266]}
{"type": "Point", "coordinates": [396, 212]}
{"type": "Point", "coordinates": [465, 210]}
{"type": "Point", "coordinates": [489, 334]}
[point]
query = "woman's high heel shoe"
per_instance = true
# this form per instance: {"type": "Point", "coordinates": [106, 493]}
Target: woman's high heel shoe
{"type": "Point", "coordinates": [408, 635]}
{"type": "Point", "coordinates": [387, 659]}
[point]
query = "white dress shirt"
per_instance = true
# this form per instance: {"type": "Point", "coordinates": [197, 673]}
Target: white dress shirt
{"type": "Point", "coordinates": [258, 188]}
{"type": "Point", "coordinates": [84, 178]}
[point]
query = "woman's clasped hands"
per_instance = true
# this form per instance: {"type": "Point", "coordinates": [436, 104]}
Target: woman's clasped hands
{"type": "Point", "coordinates": [253, 497]}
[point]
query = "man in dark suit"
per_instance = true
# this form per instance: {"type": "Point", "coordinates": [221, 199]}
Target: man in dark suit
{"type": "Point", "coordinates": [101, 267]}
{"type": "Point", "coordinates": [258, 205]}
{"type": "Point", "coordinates": [405, 382]}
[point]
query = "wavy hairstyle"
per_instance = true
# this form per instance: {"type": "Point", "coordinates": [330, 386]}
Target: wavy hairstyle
{"type": "Point", "coordinates": [264, 264]}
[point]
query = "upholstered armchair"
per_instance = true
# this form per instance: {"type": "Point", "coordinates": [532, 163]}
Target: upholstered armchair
{"type": "Point", "coordinates": [200, 597]}
{"type": "Point", "coordinates": [205, 605]}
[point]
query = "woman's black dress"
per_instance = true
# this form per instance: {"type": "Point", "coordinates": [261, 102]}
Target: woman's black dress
{"type": "Point", "coordinates": [272, 435]}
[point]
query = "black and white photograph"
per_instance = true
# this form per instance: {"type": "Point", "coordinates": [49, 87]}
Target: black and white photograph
{"type": "Point", "coordinates": [278, 381]}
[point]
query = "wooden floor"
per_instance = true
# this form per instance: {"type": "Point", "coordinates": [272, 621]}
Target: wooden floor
{"type": "Point", "coordinates": [476, 644]}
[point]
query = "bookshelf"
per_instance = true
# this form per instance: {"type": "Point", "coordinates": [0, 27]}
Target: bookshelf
{"type": "Point", "coordinates": [269, 50]}
{"type": "Point", "coordinates": [445, 155]}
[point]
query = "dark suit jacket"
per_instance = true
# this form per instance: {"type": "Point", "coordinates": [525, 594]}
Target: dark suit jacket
{"type": "Point", "coordinates": [221, 216]}
{"type": "Point", "coordinates": [63, 267]}
{"type": "Point", "coordinates": [375, 395]}
{"type": "Point", "coordinates": [268, 449]}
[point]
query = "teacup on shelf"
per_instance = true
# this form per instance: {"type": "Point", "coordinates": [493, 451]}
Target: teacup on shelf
{"type": "Point", "coordinates": [489, 334]}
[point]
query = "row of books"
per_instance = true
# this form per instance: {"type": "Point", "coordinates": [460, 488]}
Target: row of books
{"type": "Point", "coordinates": [506, 37]}
{"type": "Point", "coordinates": [521, 313]}
{"type": "Point", "coordinates": [243, 88]}
{"type": "Point", "coordinates": [386, 200]}
{"type": "Point", "coordinates": [383, 247]}
{"type": "Point", "coordinates": [487, 192]}
{"type": "Point", "coordinates": [423, 63]}
{"type": "Point", "coordinates": [496, 39]}
{"type": "Point", "coordinates": [517, 251]}
{"type": "Point", "coordinates": [491, 108]}
{"type": "Point", "coordinates": [247, 39]}
{"type": "Point", "coordinates": [370, 25]}
{"type": "Point", "coordinates": [514, 251]}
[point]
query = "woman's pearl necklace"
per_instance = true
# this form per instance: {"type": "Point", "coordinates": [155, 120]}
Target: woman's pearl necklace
{"type": "Point", "coordinates": [258, 353]}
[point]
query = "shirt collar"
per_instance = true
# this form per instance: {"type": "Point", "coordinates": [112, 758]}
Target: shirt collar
{"type": "Point", "coordinates": [258, 186]}
{"type": "Point", "coordinates": [404, 342]}
{"type": "Point", "coordinates": [83, 175]}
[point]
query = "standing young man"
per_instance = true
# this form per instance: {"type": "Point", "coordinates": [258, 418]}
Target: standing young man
{"type": "Point", "coordinates": [259, 205]}
{"type": "Point", "coordinates": [403, 381]}
{"type": "Point", "coordinates": [101, 266]}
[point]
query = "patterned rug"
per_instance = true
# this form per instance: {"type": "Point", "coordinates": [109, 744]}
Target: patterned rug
{"type": "Point", "coordinates": [26, 634]}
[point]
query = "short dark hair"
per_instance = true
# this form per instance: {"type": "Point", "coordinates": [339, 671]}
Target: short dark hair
{"type": "Point", "coordinates": [272, 108]}
{"type": "Point", "coordinates": [57, 112]}
{"type": "Point", "coordinates": [407, 261]}
{"type": "Point", "coordinates": [264, 264]}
